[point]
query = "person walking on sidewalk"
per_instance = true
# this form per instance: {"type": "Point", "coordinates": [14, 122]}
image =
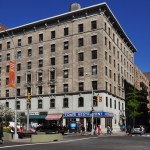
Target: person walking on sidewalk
{"type": "Point", "coordinates": [1, 134]}
{"type": "Point", "coordinates": [99, 129]}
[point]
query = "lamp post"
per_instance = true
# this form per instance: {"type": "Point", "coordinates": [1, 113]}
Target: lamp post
{"type": "Point", "coordinates": [92, 111]}
{"type": "Point", "coordinates": [15, 88]}
{"type": "Point", "coordinates": [92, 118]}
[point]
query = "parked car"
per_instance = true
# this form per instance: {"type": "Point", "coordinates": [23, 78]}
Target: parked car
{"type": "Point", "coordinates": [52, 128]}
{"type": "Point", "coordinates": [138, 129]}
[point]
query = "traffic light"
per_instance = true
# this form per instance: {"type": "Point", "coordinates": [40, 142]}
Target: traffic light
{"type": "Point", "coordinates": [99, 98]}
{"type": "Point", "coordinates": [94, 100]}
{"type": "Point", "coordinates": [29, 98]}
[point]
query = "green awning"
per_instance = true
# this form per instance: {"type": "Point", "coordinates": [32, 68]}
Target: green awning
{"type": "Point", "coordinates": [36, 116]}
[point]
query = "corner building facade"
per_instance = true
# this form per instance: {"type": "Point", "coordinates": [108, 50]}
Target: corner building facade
{"type": "Point", "coordinates": [62, 59]}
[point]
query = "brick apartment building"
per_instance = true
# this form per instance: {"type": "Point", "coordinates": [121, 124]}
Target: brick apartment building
{"type": "Point", "coordinates": [62, 59]}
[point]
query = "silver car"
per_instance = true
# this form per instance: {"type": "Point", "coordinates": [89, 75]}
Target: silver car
{"type": "Point", "coordinates": [138, 130]}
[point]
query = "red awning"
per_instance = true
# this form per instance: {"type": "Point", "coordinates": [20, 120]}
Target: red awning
{"type": "Point", "coordinates": [53, 116]}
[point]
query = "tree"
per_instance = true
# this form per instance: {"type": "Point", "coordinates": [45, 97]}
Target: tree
{"type": "Point", "coordinates": [6, 114]}
{"type": "Point", "coordinates": [133, 104]}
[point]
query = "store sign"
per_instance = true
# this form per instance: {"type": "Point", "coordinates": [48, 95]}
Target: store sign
{"type": "Point", "coordinates": [33, 113]}
{"type": "Point", "coordinates": [88, 114]}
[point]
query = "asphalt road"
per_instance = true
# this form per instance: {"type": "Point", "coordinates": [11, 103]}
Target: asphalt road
{"type": "Point", "coordinates": [86, 143]}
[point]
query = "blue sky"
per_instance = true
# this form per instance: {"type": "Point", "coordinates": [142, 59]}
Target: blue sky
{"type": "Point", "coordinates": [133, 15]}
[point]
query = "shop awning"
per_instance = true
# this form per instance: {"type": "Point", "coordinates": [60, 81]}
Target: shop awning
{"type": "Point", "coordinates": [53, 116]}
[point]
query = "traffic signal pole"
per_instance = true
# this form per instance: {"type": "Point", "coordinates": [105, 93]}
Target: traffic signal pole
{"type": "Point", "coordinates": [92, 112]}
{"type": "Point", "coordinates": [27, 116]}
{"type": "Point", "coordinates": [28, 103]}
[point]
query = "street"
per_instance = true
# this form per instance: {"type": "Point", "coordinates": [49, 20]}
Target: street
{"type": "Point", "coordinates": [86, 143]}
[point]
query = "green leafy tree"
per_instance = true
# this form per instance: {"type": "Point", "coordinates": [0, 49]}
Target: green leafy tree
{"type": "Point", "coordinates": [133, 104]}
{"type": "Point", "coordinates": [6, 114]}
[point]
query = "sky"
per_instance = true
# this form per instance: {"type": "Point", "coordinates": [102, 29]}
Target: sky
{"type": "Point", "coordinates": [133, 16]}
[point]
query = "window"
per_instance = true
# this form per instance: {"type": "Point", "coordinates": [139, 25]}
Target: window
{"type": "Point", "coordinates": [66, 45]}
{"type": "Point", "coordinates": [52, 75]}
{"type": "Point", "coordinates": [19, 42]}
{"type": "Point", "coordinates": [80, 102]}
{"type": "Point", "coordinates": [29, 39]}
{"type": "Point", "coordinates": [81, 71]}
{"type": "Point", "coordinates": [94, 85]}
{"type": "Point", "coordinates": [110, 45]}
{"type": "Point", "coordinates": [109, 73]}
{"type": "Point", "coordinates": [80, 28]}
{"type": "Point", "coordinates": [65, 103]}
{"type": "Point", "coordinates": [52, 47]}
{"type": "Point", "coordinates": [66, 31]}
{"type": "Point", "coordinates": [106, 101]}
{"type": "Point", "coordinates": [7, 93]}
{"type": "Point", "coordinates": [18, 67]}
{"type": "Point", "coordinates": [7, 81]}
{"type": "Point", "coordinates": [52, 103]}
{"type": "Point", "coordinates": [109, 31]}
{"type": "Point", "coordinates": [94, 39]}
{"type": "Point", "coordinates": [0, 70]}
{"type": "Point", "coordinates": [114, 104]}
{"type": "Point", "coordinates": [19, 54]}
{"type": "Point", "coordinates": [106, 72]}
{"type": "Point", "coordinates": [106, 86]}
{"type": "Point", "coordinates": [109, 59]}
{"type": "Point", "coordinates": [40, 50]}
{"type": "Point", "coordinates": [18, 79]}
{"type": "Point", "coordinates": [40, 37]}
{"type": "Point", "coordinates": [0, 46]}
{"type": "Point", "coordinates": [81, 86]}
{"type": "Point", "coordinates": [7, 68]}
{"type": "Point", "coordinates": [53, 34]}
{"type": "Point", "coordinates": [40, 88]}
{"type": "Point", "coordinates": [40, 63]}
{"type": "Point", "coordinates": [94, 25]}
{"type": "Point", "coordinates": [65, 73]}
{"type": "Point", "coordinates": [80, 56]}
{"type": "Point", "coordinates": [114, 77]}
{"type": "Point", "coordinates": [80, 42]}
{"type": "Point", "coordinates": [40, 76]}
{"type": "Point", "coordinates": [65, 87]}
{"type": "Point", "coordinates": [8, 45]}
{"type": "Point", "coordinates": [94, 54]}
{"type": "Point", "coordinates": [40, 104]}
{"type": "Point", "coordinates": [18, 92]}
{"type": "Point", "coordinates": [8, 57]}
{"type": "Point", "coordinates": [0, 58]}
{"type": "Point", "coordinates": [110, 103]}
{"type": "Point", "coordinates": [106, 41]}
{"type": "Point", "coordinates": [29, 65]}
{"type": "Point", "coordinates": [7, 104]}
{"type": "Point", "coordinates": [29, 52]}
{"type": "Point", "coordinates": [119, 105]}
{"type": "Point", "coordinates": [52, 88]}
{"type": "Point", "coordinates": [94, 70]}
{"type": "Point", "coordinates": [105, 55]}
{"type": "Point", "coordinates": [105, 27]}
{"type": "Point", "coordinates": [53, 61]}
{"type": "Point", "coordinates": [28, 78]}
{"type": "Point", "coordinates": [66, 59]}
{"type": "Point", "coordinates": [18, 105]}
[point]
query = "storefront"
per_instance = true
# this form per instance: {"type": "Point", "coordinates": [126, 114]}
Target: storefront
{"type": "Point", "coordinates": [103, 118]}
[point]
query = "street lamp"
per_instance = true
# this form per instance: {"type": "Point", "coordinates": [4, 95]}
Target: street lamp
{"type": "Point", "coordinates": [15, 88]}
{"type": "Point", "coordinates": [91, 107]}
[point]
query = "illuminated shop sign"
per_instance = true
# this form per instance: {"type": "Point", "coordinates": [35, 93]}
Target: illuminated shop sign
{"type": "Point", "coordinates": [88, 114]}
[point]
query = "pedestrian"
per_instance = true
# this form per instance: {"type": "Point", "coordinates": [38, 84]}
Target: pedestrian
{"type": "Point", "coordinates": [1, 134]}
{"type": "Point", "coordinates": [98, 130]}
{"type": "Point", "coordinates": [83, 129]}
{"type": "Point", "coordinates": [108, 130]}
{"type": "Point", "coordinates": [20, 132]}
{"type": "Point", "coordinates": [128, 131]}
